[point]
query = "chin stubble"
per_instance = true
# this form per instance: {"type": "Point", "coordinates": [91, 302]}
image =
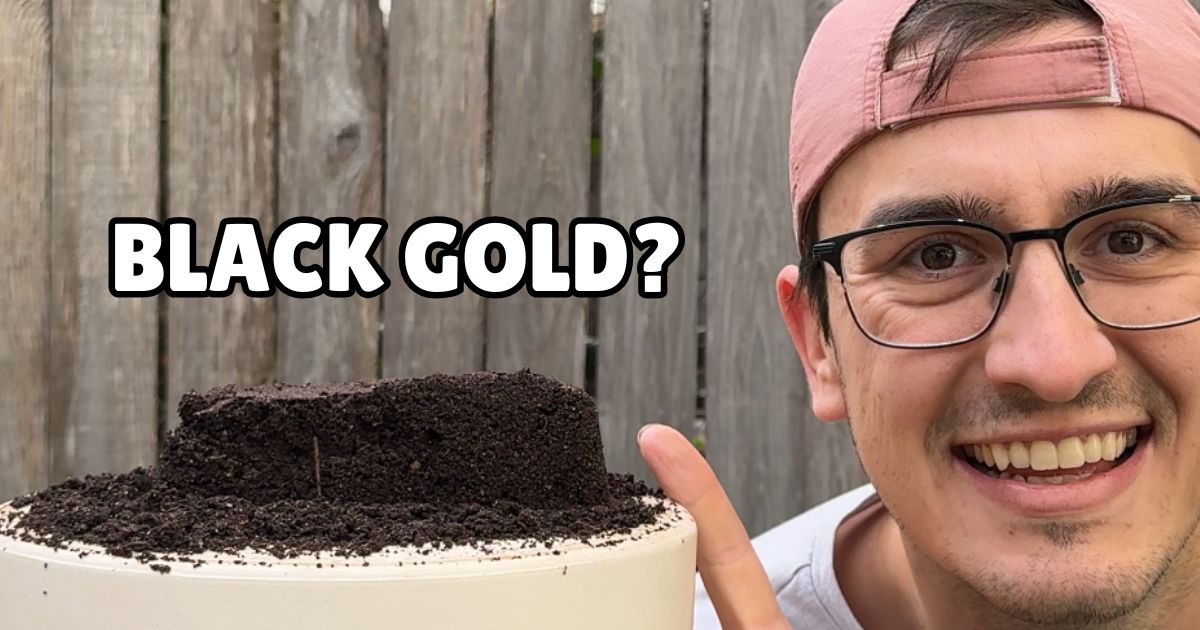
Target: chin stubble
{"type": "Point", "coordinates": [1140, 597]}
{"type": "Point", "coordinates": [1107, 597]}
{"type": "Point", "coordinates": [1066, 535]}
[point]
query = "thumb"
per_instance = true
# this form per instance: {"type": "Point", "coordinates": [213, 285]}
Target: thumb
{"type": "Point", "coordinates": [735, 580]}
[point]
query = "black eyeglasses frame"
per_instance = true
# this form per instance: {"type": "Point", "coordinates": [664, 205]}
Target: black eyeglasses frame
{"type": "Point", "coordinates": [829, 251]}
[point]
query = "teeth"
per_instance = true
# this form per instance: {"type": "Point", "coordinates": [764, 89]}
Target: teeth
{"type": "Point", "coordinates": [1108, 446]}
{"type": "Point", "coordinates": [1000, 454]}
{"type": "Point", "coordinates": [1070, 453]}
{"type": "Point", "coordinates": [1043, 455]}
{"type": "Point", "coordinates": [1018, 454]}
{"type": "Point", "coordinates": [1044, 479]}
{"type": "Point", "coordinates": [1091, 449]}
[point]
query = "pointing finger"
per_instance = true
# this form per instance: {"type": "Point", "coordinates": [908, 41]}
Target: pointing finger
{"type": "Point", "coordinates": [732, 573]}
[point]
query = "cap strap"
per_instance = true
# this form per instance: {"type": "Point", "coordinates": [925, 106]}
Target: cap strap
{"type": "Point", "coordinates": [1070, 71]}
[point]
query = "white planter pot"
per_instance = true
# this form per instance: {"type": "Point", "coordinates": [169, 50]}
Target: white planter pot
{"type": "Point", "coordinates": [644, 579]}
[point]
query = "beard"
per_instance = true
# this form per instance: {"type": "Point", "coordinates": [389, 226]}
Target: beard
{"type": "Point", "coordinates": [1129, 597]}
{"type": "Point", "coordinates": [989, 409]}
{"type": "Point", "coordinates": [1138, 594]}
{"type": "Point", "coordinates": [1107, 597]}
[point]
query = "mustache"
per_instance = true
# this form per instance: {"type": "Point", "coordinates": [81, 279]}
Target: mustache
{"type": "Point", "coordinates": [991, 408]}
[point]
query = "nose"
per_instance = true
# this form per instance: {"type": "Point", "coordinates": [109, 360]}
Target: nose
{"type": "Point", "coordinates": [1043, 339]}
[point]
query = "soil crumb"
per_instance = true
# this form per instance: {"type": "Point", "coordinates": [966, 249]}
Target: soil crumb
{"type": "Point", "coordinates": [352, 468]}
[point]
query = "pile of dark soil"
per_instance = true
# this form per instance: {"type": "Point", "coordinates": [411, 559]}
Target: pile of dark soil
{"type": "Point", "coordinates": [351, 469]}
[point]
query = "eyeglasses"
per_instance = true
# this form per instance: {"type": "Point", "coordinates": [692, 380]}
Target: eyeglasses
{"type": "Point", "coordinates": [933, 283]}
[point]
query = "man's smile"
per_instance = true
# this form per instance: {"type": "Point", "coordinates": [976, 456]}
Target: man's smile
{"type": "Point", "coordinates": [1057, 475]}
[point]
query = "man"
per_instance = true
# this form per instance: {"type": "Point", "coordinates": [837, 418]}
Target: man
{"type": "Point", "coordinates": [998, 211]}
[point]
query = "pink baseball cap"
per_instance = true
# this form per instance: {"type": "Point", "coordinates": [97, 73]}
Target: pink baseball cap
{"type": "Point", "coordinates": [1147, 58]}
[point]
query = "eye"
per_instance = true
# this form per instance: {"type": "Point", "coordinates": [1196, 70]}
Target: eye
{"type": "Point", "coordinates": [1129, 242]}
{"type": "Point", "coordinates": [1125, 242]}
{"type": "Point", "coordinates": [925, 252]}
{"type": "Point", "coordinates": [939, 256]}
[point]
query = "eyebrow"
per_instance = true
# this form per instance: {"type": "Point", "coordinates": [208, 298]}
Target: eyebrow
{"type": "Point", "coordinates": [1092, 194]}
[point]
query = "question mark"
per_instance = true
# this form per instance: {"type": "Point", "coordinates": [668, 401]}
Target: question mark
{"type": "Point", "coordinates": [662, 240]}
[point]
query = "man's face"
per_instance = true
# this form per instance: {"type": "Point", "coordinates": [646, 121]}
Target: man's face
{"type": "Point", "coordinates": [1045, 372]}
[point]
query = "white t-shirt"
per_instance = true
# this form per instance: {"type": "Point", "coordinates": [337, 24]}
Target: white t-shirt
{"type": "Point", "coordinates": [798, 558]}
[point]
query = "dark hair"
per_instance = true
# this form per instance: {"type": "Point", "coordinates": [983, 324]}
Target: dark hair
{"type": "Point", "coordinates": [955, 27]}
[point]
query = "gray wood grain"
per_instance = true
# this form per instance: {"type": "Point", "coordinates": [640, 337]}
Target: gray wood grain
{"type": "Point", "coordinates": [772, 456]}
{"type": "Point", "coordinates": [220, 164]}
{"type": "Point", "coordinates": [330, 164]}
{"type": "Point", "coordinates": [437, 134]}
{"type": "Point", "coordinates": [651, 157]}
{"type": "Point", "coordinates": [104, 135]}
{"type": "Point", "coordinates": [24, 229]}
{"type": "Point", "coordinates": [541, 129]}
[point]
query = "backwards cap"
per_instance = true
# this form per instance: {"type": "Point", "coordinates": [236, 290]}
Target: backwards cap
{"type": "Point", "coordinates": [1147, 58]}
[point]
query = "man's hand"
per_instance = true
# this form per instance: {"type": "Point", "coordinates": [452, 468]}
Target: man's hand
{"type": "Point", "coordinates": [732, 574]}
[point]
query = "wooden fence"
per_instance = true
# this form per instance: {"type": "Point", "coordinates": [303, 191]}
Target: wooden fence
{"type": "Point", "coordinates": [519, 108]}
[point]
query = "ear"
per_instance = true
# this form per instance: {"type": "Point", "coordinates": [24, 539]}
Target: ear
{"type": "Point", "coordinates": [820, 362]}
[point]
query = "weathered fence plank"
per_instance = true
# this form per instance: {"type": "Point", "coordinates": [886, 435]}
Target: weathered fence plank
{"type": "Point", "coordinates": [104, 146]}
{"type": "Point", "coordinates": [541, 131]}
{"type": "Point", "coordinates": [220, 158]}
{"type": "Point", "coordinates": [330, 164]}
{"type": "Point", "coordinates": [651, 157]}
{"type": "Point", "coordinates": [437, 134]}
{"type": "Point", "coordinates": [772, 456]}
{"type": "Point", "coordinates": [24, 227]}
